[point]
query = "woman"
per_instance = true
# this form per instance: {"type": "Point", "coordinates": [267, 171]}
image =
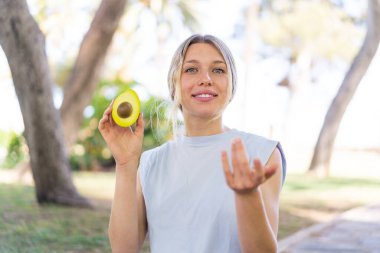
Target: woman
{"type": "Point", "coordinates": [213, 189]}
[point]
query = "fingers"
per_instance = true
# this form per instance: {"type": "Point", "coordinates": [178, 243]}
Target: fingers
{"type": "Point", "coordinates": [244, 178]}
{"type": "Point", "coordinates": [227, 171]}
{"type": "Point", "coordinates": [107, 118]}
{"type": "Point", "coordinates": [257, 172]}
{"type": "Point", "coordinates": [243, 161]}
{"type": "Point", "coordinates": [139, 130]}
{"type": "Point", "coordinates": [104, 120]}
{"type": "Point", "coordinates": [237, 170]}
{"type": "Point", "coordinates": [109, 113]}
{"type": "Point", "coordinates": [270, 171]}
{"type": "Point", "coordinates": [238, 179]}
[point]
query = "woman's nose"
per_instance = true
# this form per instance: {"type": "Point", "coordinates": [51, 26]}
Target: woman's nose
{"type": "Point", "coordinates": [205, 78]}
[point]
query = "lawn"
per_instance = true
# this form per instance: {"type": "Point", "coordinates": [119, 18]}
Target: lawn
{"type": "Point", "coordinates": [307, 200]}
{"type": "Point", "coordinates": [27, 227]}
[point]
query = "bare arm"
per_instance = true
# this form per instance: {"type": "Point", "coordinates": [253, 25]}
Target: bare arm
{"type": "Point", "coordinates": [257, 192]}
{"type": "Point", "coordinates": [123, 224]}
{"type": "Point", "coordinates": [126, 225]}
{"type": "Point", "coordinates": [142, 219]}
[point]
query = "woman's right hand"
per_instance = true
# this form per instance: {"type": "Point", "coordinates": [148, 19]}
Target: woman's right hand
{"type": "Point", "coordinates": [124, 143]}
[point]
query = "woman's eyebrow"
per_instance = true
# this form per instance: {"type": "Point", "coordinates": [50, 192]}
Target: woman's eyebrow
{"type": "Point", "coordinates": [214, 62]}
{"type": "Point", "coordinates": [192, 61]}
{"type": "Point", "coordinates": [219, 61]}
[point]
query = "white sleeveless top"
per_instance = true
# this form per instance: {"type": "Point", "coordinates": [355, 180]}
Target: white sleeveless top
{"type": "Point", "coordinates": [189, 207]}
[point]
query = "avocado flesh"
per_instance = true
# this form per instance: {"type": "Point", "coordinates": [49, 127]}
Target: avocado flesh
{"type": "Point", "coordinates": [126, 108]}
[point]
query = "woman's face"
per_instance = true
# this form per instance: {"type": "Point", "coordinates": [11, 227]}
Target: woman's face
{"type": "Point", "coordinates": [205, 88]}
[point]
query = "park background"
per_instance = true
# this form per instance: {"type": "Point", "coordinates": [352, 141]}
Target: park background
{"type": "Point", "coordinates": [292, 57]}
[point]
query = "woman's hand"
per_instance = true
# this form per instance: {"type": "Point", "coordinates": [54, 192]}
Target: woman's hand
{"type": "Point", "coordinates": [124, 143]}
{"type": "Point", "coordinates": [244, 178]}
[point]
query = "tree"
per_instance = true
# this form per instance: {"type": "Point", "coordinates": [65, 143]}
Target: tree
{"type": "Point", "coordinates": [53, 179]}
{"type": "Point", "coordinates": [306, 31]}
{"type": "Point", "coordinates": [84, 76]}
{"type": "Point", "coordinates": [307, 34]}
{"type": "Point", "coordinates": [324, 147]}
{"type": "Point", "coordinates": [24, 47]}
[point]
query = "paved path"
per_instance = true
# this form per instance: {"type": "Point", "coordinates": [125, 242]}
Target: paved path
{"type": "Point", "coordinates": [355, 231]}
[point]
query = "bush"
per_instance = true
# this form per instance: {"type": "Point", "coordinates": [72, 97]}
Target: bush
{"type": "Point", "coordinates": [16, 151]}
{"type": "Point", "coordinates": [90, 151]}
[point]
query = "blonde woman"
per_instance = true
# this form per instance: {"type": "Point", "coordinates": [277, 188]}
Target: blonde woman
{"type": "Point", "coordinates": [211, 189]}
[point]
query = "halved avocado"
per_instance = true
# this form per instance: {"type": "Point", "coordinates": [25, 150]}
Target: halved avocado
{"type": "Point", "coordinates": [126, 108]}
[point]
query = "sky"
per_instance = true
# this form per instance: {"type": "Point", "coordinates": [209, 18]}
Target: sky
{"type": "Point", "coordinates": [260, 106]}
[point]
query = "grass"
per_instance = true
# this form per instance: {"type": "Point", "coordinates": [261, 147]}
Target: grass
{"type": "Point", "coordinates": [306, 200]}
{"type": "Point", "coordinates": [27, 227]}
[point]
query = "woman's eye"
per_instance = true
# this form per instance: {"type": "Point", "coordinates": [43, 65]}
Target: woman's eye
{"type": "Point", "coordinates": [219, 70]}
{"type": "Point", "coordinates": [190, 70]}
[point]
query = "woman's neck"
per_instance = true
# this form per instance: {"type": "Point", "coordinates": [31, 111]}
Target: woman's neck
{"type": "Point", "coordinates": [202, 127]}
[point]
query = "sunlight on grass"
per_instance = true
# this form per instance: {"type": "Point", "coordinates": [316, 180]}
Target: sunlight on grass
{"type": "Point", "coordinates": [307, 200]}
{"type": "Point", "coordinates": [99, 185]}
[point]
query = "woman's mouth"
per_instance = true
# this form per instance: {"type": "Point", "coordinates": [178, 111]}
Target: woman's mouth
{"type": "Point", "coordinates": [204, 96]}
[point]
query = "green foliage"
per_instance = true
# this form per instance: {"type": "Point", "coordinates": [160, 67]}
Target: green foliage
{"type": "Point", "coordinates": [16, 150]}
{"type": "Point", "coordinates": [90, 152]}
{"type": "Point", "coordinates": [163, 11]}
{"type": "Point", "coordinates": [319, 27]}
{"type": "Point", "coordinates": [4, 138]}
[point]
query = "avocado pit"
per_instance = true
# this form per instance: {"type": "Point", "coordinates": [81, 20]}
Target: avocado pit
{"type": "Point", "coordinates": [124, 110]}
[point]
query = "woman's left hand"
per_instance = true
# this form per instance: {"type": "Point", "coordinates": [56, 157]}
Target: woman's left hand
{"type": "Point", "coordinates": [244, 178]}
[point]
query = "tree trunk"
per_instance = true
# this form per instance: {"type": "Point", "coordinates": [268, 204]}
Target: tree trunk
{"type": "Point", "coordinates": [24, 47]}
{"type": "Point", "coordinates": [324, 147]}
{"type": "Point", "coordinates": [84, 76]}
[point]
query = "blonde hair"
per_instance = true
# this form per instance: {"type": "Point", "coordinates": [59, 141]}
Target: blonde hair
{"type": "Point", "coordinates": [174, 73]}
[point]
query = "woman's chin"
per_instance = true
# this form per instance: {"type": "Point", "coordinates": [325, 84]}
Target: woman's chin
{"type": "Point", "coordinates": [204, 115]}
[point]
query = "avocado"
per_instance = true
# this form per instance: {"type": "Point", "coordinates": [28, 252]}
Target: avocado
{"type": "Point", "coordinates": [126, 108]}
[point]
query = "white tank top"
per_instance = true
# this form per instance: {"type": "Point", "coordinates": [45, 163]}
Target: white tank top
{"type": "Point", "coordinates": [189, 207]}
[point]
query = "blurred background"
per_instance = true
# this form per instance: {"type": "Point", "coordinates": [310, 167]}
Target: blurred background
{"type": "Point", "coordinates": [292, 58]}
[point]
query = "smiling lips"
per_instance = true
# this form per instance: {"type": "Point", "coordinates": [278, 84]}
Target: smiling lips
{"type": "Point", "coordinates": [204, 96]}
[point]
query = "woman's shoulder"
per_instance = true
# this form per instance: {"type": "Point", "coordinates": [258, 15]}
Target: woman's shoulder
{"type": "Point", "coordinates": [158, 151]}
{"type": "Point", "coordinates": [263, 147]}
{"type": "Point", "coordinates": [253, 138]}
{"type": "Point", "coordinates": [155, 151]}
{"type": "Point", "coordinates": [257, 145]}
